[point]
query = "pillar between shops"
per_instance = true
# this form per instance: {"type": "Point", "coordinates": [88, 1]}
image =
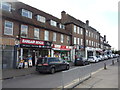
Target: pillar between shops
{"type": "Point", "coordinates": [52, 53]}
{"type": "Point", "coordinates": [21, 53]}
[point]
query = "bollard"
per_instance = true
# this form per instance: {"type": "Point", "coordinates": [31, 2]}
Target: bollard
{"type": "Point", "coordinates": [113, 62]}
{"type": "Point", "coordinates": [105, 67]}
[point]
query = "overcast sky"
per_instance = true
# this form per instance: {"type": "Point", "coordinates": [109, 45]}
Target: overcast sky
{"type": "Point", "coordinates": [102, 14]}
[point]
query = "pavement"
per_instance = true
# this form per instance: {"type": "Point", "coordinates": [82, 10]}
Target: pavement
{"type": "Point", "coordinates": [12, 73]}
{"type": "Point", "coordinates": [105, 78]}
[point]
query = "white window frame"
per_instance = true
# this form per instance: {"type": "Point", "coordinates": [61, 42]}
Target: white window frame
{"type": "Point", "coordinates": [62, 38]}
{"type": "Point", "coordinates": [29, 13]}
{"type": "Point", "coordinates": [54, 36]}
{"type": "Point", "coordinates": [74, 40]}
{"type": "Point", "coordinates": [75, 28]}
{"type": "Point", "coordinates": [46, 35]}
{"type": "Point", "coordinates": [6, 4]}
{"type": "Point", "coordinates": [86, 42]}
{"type": "Point", "coordinates": [41, 18]}
{"type": "Point", "coordinates": [81, 41]}
{"type": "Point", "coordinates": [81, 31]}
{"type": "Point", "coordinates": [68, 39]}
{"type": "Point", "coordinates": [53, 23]}
{"type": "Point", "coordinates": [78, 41]}
{"type": "Point", "coordinates": [8, 28]}
{"type": "Point", "coordinates": [23, 30]}
{"type": "Point", "coordinates": [36, 33]}
{"type": "Point", "coordinates": [78, 30]}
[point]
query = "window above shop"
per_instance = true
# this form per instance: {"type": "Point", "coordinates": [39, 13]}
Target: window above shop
{"type": "Point", "coordinates": [75, 28]}
{"type": "Point", "coordinates": [53, 23]}
{"type": "Point", "coordinates": [24, 31]}
{"type": "Point", "coordinates": [61, 26]}
{"type": "Point", "coordinates": [54, 36]}
{"type": "Point", "coordinates": [46, 35]}
{"type": "Point", "coordinates": [74, 40]}
{"type": "Point", "coordinates": [41, 19]}
{"type": "Point", "coordinates": [62, 38]}
{"type": "Point", "coordinates": [26, 13]}
{"type": "Point", "coordinates": [5, 6]}
{"type": "Point", "coordinates": [8, 28]}
{"type": "Point", "coordinates": [36, 33]}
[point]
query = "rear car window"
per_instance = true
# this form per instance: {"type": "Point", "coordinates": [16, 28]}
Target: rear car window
{"type": "Point", "coordinates": [91, 58]}
{"type": "Point", "coordinates": [42, 60]}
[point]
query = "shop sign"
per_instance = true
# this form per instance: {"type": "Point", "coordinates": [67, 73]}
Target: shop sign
{"type": "Point", "coordinates": [31, 41]}
{"type": "Point", "coordinates": [61, 47]}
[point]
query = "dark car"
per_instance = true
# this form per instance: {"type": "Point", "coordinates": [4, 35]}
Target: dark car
{"type": "Point", "coordinates": [81, 61]}
{"type": "Point", "coordinates": [51, 64]}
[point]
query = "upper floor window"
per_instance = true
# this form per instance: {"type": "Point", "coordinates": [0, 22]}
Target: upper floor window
{"type": "Point", "coordinates": [8, 28]}
{"type": "Point", "coordinates": [54, 36]}
{"type": "Point", "coordinates": [41, 19]}
{"type": "Point", "coordinates": [24, 30]}
{"type": "Point", "coordinates": [62, 38]}
{"type": "Point", "coordinates": [78, 30]}
{"type": "Point", "coordinates": [5, 6]}
{"type": "Point", "coordinates": [62, 26]}
{"type": "Point", "coordinates": [81, 41]}
{"type": "Point", "coordinates": [74, 40]}
{"type": "Point", "coordinates": [68, 39]}
{"type": "Point", "coordinates": [27, 13]}
{"type": "Point", "coordinates": [90, 42]}
{"type": "Point", "coordinates": [86, 32]}
{"type": "Point", "coordinates": [75, 28]}
{"type": "Point", "coordinates": [81, 29]}
{"type": "Point", "coordinates": [89, 34]}
{"type": "Point", "coordinates": [78, 41]}
{"type": "Point", "coordinates": [53, 23]}
{"type": "Point", "coordinates": [46, 35]}
{"type": "Point", "coordinates": [36, 33]}
{"type": "Point", "coordinates": [86, 42]}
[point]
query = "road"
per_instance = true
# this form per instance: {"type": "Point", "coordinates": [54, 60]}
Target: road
{"type": "Point", "coordinates": [45, 80]}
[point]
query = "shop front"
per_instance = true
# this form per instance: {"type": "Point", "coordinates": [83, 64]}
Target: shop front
{"type": "Point", "coordinates": [30, 48]}
{"type": "Point", "coordinates": [61, 51]}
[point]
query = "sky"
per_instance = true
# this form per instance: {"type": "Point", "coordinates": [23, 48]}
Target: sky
{"type": "Point", "coordinates": [102, 14]}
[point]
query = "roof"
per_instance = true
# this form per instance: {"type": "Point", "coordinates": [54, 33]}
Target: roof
{"type": "Point", "coordinates": [16, 15]}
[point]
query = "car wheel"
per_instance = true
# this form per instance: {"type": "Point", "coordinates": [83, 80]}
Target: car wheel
{"type": "Point", "coordinates": [52, 70]}
{"type": "Point", "coordinates": [67, 67]}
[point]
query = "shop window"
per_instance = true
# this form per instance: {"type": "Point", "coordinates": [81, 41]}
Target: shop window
{"type": "Point", "coordinates": [36, 33]}
{"type": "Point", "coordinates": [8, 30]}
{"type": "Point", "coordinates": [46, 35]}
{"type": "Point", "coordinates": [24, 30]}
{"type": "Point", "coordinates": [5, 6]}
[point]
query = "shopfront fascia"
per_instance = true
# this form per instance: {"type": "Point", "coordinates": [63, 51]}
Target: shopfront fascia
{"type": "Point", "coordinates": [61, 51]}
{"type": "Point", "coordinates": [34, 48]}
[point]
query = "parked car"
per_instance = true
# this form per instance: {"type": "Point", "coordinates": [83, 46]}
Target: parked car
{"type": "Point", "coordinates": [102, 58]}
{"type": "Point", "coordinates": [105, 57]}
{"type": "Point", "coordinates": [81, 61]}
{"type": "Point", "coordinates": [93, 59]}
{"type": "Point", "coordinates": [51, 64]}
{"type": "Point", "coordinates": [99, 58]}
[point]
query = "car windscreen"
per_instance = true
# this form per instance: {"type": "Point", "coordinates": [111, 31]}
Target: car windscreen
{"type": "Point", "coordinates": [79, 59]}
{"type": "Point", "coordinates": [91, 58]}
{"type": "Point", "coordinates": [42, 60]}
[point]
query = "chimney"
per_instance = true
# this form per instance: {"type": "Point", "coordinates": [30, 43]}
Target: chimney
{"type": "Point", "coordinates": [87, 22]}
{"type": "Point", "coordinates": [104, 37]}
{"type": "Point", "coordinates": [63, 16]}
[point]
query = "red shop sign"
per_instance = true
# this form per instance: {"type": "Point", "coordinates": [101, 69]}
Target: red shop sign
{"type": "Point", "coordinates": [31, 41]}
